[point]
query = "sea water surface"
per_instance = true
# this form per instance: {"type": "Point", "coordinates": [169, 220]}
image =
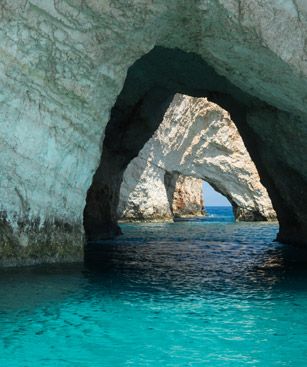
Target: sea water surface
{"type": "Point", "coordinates": [205, 292]}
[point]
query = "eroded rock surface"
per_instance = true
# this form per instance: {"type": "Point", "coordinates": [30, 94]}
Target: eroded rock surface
{"type": "Point", "coordinates": [64, 63]}
{"type": "Point", "coordinates": [196, 138]}
{"type": "Point", "coordinates": [187, 200]}
{"type": "Point", "coordinates": [157, 195]}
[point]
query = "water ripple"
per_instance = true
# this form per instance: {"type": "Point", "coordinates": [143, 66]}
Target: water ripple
{"type": "Point", "coordinates": [182, 294]}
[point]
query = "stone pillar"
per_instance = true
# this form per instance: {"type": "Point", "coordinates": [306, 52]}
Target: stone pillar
{"type": "Point", "coordinates": [188, 197]}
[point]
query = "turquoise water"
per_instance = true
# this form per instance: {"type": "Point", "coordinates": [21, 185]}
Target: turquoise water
{"type": "Point", "coordinates": [197, 293]}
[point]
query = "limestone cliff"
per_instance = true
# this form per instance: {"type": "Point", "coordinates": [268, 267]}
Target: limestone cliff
{"type": "Point", "coordinates": [187, 200]}
{"type": "Point", "coordinates": [157, 195]}
{"type": "Point", "coordinates": [196, 138]}
{"type": "Point", "coordinates": [65, 64]}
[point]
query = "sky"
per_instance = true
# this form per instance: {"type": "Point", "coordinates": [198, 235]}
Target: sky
{"type": "Point", "coordinates": [213, 198]}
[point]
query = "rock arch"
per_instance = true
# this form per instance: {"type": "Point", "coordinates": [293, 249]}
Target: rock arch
{"type": "Point", "coordinates": [150, 85]}
{"type": "Point", "coordinates": [63, 66]}
{"type": "Point", "coordinates": [198, 139]}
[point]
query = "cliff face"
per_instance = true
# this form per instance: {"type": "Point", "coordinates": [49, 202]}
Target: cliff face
{"type": "Point", "coordinates": [187, 200]}
{"type": "Point", "coordinates": [157, 195]}
{"type": "Point", "coordinates": [144, 195]}
{"type": "Point", "coordinates": [196, 138]}
{"type": "Point", "coordinates": [63, 65]}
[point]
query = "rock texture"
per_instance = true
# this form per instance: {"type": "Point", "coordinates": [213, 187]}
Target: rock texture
{"type": "Point", "coordinates": [63, 65]}
{"type": "Point", "coordinates": [187, 200]}
{"type": "Point", "coordinates": [153, 194]}
{"type": "Point", "coordinates": [196, 138]}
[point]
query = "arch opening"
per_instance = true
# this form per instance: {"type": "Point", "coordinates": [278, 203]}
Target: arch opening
{"type": "Point", "coordinates": [150, 86]}
{"type": "Point", "coordinates": [196, 140]}
{"type": "Point", "coordinates": [213, 197]}
{"type": "Point", "coordinates": [196, 198]}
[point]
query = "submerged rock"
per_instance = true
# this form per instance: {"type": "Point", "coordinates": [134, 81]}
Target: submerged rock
{"type": "Point", "coordinates": [196, 138]}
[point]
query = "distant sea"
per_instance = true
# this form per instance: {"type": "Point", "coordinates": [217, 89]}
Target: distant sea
{"type": "Point", "coordinates": [215, 214]}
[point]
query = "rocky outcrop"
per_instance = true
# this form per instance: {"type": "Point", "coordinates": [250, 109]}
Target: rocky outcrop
{"type": "Point", "coordinates": [157, 195]}
{"type": "Point", "coordinates": [65, 64]}
{"type": "Point", "coordinates": [197, 139]}
{"type": "Point", "coordinates": [142, 198]}
{"type": "Point", "coordinates": [187, 200]}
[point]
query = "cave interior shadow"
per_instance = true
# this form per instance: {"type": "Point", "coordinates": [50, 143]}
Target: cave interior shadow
{"type": "Point", "coordinates": [151, 83]}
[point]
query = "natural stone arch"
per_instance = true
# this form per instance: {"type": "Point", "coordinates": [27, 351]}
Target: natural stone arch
{"type": "Point", "coordinates": [151, 82]}
{"type": "Point", "coordinates": [63, 65]}
{"type": "Point", "coordinates": [198, 139]}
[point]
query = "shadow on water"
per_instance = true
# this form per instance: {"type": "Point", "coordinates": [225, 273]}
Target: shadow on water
{"type": "Point", "coordinates": [162, 295]}
{"type": "Point", "coordinates": [237, 258]}
{"type": "Point", "coordinates": [184, 258]}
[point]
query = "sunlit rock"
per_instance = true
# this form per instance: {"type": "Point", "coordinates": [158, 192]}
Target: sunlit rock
{"type": "Point", "coordinates": [196, 138]}
{"type": "Point", "coordinates": [187, 199]}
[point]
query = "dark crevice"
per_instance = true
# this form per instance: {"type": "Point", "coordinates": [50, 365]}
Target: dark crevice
{"type": "Point", "coordinates": [170, 180]}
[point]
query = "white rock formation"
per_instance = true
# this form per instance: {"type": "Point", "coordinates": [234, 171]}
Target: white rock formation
{"type": "Point", "coordinates": [187, 197]}
{"type": "Point", "coordinates": [196, 138]}
{"type": "Point", "coordinates": [63, 64]}
{"type": "Point", "coordinates": [156, 195]}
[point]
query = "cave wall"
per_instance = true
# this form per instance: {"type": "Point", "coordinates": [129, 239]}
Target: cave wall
{"type": "Point", "coordinates": [196, 138]}
{"type": "Point", "coordinates": [63, 64]}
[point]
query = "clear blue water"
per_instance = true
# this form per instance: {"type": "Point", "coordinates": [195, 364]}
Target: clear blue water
{"type": "Point", "coordinates": [198, 293]}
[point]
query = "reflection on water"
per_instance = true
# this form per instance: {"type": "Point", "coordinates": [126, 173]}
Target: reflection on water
{"type": "Point", "coordinates": [193, 293]}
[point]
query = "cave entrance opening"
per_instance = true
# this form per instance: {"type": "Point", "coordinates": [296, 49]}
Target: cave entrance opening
{"type": "Point", "coordinates": [151, 83]}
